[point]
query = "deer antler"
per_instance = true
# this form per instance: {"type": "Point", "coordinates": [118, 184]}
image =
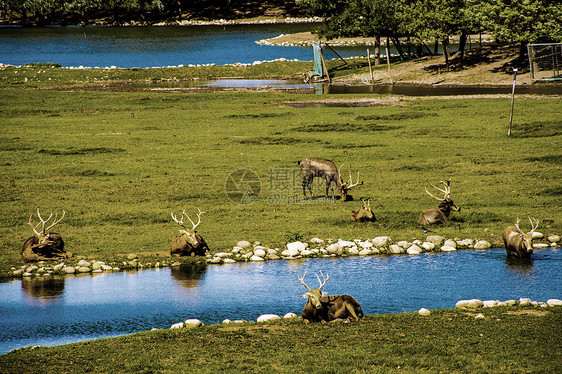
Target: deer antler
{"type": "Point", "coordinates": [302, 281]}
{"type": "Point", "coordinates": [533, 225]}
{"type": "Point", "coordinates": [350, 184]}
{"type": "Point", "coordinates": [180, 222]}
{"type": "Point", "coordinates": [446, 191]}
{"type": "Point", "coordinates": [43, 222]}
{"type": "Point", "coordinates": [325, 279]}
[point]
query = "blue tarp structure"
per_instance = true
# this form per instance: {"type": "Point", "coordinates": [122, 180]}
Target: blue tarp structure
{"type": "Point", "coordinates": [317, 59]}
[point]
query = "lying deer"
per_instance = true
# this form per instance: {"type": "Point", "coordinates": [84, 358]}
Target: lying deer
{"type": "Point", "coordinates": [363, 214]}
{"type": "Point", "coordinates": [441, 213]}
{"type": "Point", "coordinates": [517, 242]}
{"type": "Point", "coordinates": [322, 308]}
{"type": "Point", "coordinates": [188, 242]}
{"type": "Point", "coordinates": [44, 245]}
{"type": "Point", "coordinates": [322, 168]}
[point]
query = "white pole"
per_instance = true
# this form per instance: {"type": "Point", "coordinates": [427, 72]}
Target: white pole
{"type": "Point", "coordinates": [512, 100]}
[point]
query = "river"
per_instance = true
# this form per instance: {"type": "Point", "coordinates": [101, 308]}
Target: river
{"type": "Point", "coordinates": [59, 310]}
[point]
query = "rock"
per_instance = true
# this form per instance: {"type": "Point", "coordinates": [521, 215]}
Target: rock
{"type": "Point", "coordinates": [472, 303]}
{"type": "Point", "coordinates": [297, 246]}
{"type": "Point", "coordinates": [222, 254]}
{"type": "Point", "coordinates": [465, 243]}
{"type": "Point", "coordinates": [69, 269]}
{"type": "Point", "coordinates": [345, 243]}
{"type": "Point", "coordinates": [256, 258]}
{"type": "Point", "coordinates": [537, 235]}
{"type": "Point", "coordinates": [228, 261]}
{"type": "Point", "coordinates": [58, 267]}
{"type": "Point", "coordinates": [435, 239]}
{"type": "Point", "coordinates": [178, 325]}
{"type": "Point", "coordinates": [259, 252]}
{"type": "Point", "coordinates": [381, 241]}
{"type": "Point", "coordinates": [214, 260]}
{"type": "Point", "coordinates": [404, 244]}
{"type": "Point", "coordinates": [18, 272]}
{"type": "Point", "coordinates": [428, 246]}
{"type": "Point", "coordinates": [96, 265]}
{"type": "Point", "coordinates": [507, 303]}
{"type": "Point", "coordinates": [447, 248]}
{"type": "Point", "coordinates": [83, 263]}
{"type": "Point", "coordinates": [193, 322]}
{"type": "Point", "coordinates": [524, 301]}
{"type": "Point", "coordinates": [290, 253]}
{"type": "Point", "coordinates": [553, 238]}
{"type": "Point", "coordinates": [450, 243]}
{"type": "Point", "coordinates": [394, 248]}
{"type": "Point", "coordinates": [365, 244]}
{"type": "Point", "coordinates": [106, 268]}
{"type": "Point", "coordinates": [83, 269]}
{"type": "Point", "coordinates": [479, 316]}
{"type": "Point", "coordinates": [482, 244]}
{"type": "Point", "coordinates": [131, 256]}
{"type": "Point", "coordinates": [424, 312]}
{"type": "Point", "coordinates": [334, 248]}
{"type": "Point", "coordinates": [268, 317]}
{"type": "Point", "coordinates": [490, 303]}
{"type": "Point", "coordinates": [273, 257]}
{"type": "Point", "coordinates": [540, 246]}
{"type": "Point", "coordinates": [26, 274]}
{"type": "Point", "coordinates": [226, 321]}
{"type": "Point", "coordinates": [413, 250]}
{"type": "Point", "coordinates": [353, 251]}
{"type": "Point", "coordinates": [554, 302]}
{"type": "Point", "coordinates": [317, 241]}
{"type": "Point", "coordinates": [365, 252]}
{"type": "Point", "coordinates": [290, 315]}
{"type": "Point", "coordinates": [243, 244]}
{"type": "Point", "coordinates": [177, 263]}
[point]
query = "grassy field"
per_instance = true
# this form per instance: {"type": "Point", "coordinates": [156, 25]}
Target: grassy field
{"type": "Point", "coordinates": [506, 340]}
{"type": "Point", "coordinates": [120, 162]}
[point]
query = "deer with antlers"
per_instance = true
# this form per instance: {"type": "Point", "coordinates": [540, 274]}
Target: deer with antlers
{"type": "Point", "coordinates": [188, 242]}
{"type": "Point", "coordinates": [363, 214]}
{"type": "Point", "coordinates": [322, 168]}
{"type": "Point", "coordinates": [323, 308]}
{"type": "Point", "coordinates": [441, 213]}
{"type": "Point", "coordinates": [44, 245]}
{"type": "Point", "coordinates": [518, 243]}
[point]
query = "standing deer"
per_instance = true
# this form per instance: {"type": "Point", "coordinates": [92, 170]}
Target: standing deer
{"type": "Point", "coordinates": [188, 242]}
{"type": "Point", "coordinates": [322, 168]}
{"type": "Point", "coordinates": [322, 308]}
{"type": "Point", "coordinates": [363, 214]}
{"type": "Point", "coordinates": [44, 245]}
{"type": "Point", "coordinates": [517, 242]}
{"type": "Point", "coordinates": [441, 213]}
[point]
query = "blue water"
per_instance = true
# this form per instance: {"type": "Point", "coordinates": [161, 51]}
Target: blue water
{"type": "Point", "coordinates": [76, 308]}
{"type": "Point", "coordinates": [151, 46]}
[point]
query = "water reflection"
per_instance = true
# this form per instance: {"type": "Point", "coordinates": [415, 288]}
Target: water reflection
{"type": "Point", "coordinates": [48, 288]}
{"type": "Point", "coordinates": [523, 267]}
{"type": "Point", "coordinates": [188, 276]}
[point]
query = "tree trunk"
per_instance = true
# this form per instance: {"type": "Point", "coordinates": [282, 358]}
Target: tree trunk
{"type": "Point", "coordinates": [462, 45]}
{"type": "Point", "coordinates": [398, 47]}
{"type": "Point", "coordinates": [436, 47]}
{"type": "Point", "coordinates": [377, 50]}
{"type": "Point", "coordinates": [522, 53]}
{"type": "Point", "coordinates": [446, 51]}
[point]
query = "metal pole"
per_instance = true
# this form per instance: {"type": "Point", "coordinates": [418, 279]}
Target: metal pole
{"type": "Point", "coordinates": [512, 100]}
{"type": "Point", "coordinates": [388, 59]}
{"type": "Point", "coordinates": [370, 68]}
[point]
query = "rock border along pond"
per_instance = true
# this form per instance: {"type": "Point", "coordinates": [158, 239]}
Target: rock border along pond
{"type": "Point", "coordinates": [245, 251]}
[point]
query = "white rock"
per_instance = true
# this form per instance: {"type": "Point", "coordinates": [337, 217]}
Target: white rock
{"type": "Point", "coordinates": [83, 269]}
{"type": "Point", "coordinates": [228, 261]}
{"type": "Point", "coordinates": [524, 301]}
{"type": "Point", "coordinates": [345, 243]}
{"type": "Point", "coordinates": [83, 263]}
{"type": "Point", "coordinates": [508, 303]}
{"type": "Point", "coordinates": [259, 252]}
{"type": "Point", "coordinates": [553, 302]}
{"type": "Point", "coordinates": [58, 267]}
{"type": "Point", "coordinates": [472, 303]}
{"type": "Point", "coordinates": [178, 325]}
{"type": "Point", "coordinates": [490, 303]}
{"type": "Point", "coordinates": [243, 244]}
{"type": "Point", "coordinates": [447, 248]}
{"type": "Point", "coordinates": [256, 258]}
{"type": "Point", "coordinates": [413, 250]}
{"type": "Point", "coordinates": [465, 243]}
{"type": "Point", "coordinates": [404, 244]}
{"type": "Point", "coordinates": [222, 254]}
{"type": "Point", "coordinates": [435, 239]}
{"type": "Point", "coordinates": [297, 246]}
{"type": "Point", "coordinates": [482, 244]}
{"type": "Point", "coordinates": [553, 238]}
{"type": "Point", "coordinates": [307, 253]}
{"type": "Point", "coordinates": [290, 253]}
{"type": "Point", "coordinates": [334, 248]}
{"type": "Point", "coordinates": [108, 268]}
{"type": "Point", "coordinates": [192, 322]}
{"type": "Point", "coordinates": [428, 246]}
{"type": "Point", "coordinates": [424, 312]}
{"type": "Point", "coordinates": [365, 252]}
{"type": "Point", "coordinates": [268, 317]}
{"type": "Point", "coordinates": [479, 316]}
{"type": "Point", "coordinates": [381, 241]}
{"type": "Point", "coordinates": [317, 241]}
{"type": "Point", "coordinates": [450, 243]}
{"type": "Point", "coordinates": [290, 315]}
{"type": "Point", "coordinates": [226, 321]}
{"type": "Point", "coordinates": [537, 235]}
{"type": "Point", "coordinates": [540, 246]}
{"type": "Point", "coordinates": [394, 248]}
{"type": "Point", "coordinates": [365, 244]}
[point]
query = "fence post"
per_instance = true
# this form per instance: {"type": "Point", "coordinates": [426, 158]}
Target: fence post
{"type": "Point", "coordinates": [512, 100]}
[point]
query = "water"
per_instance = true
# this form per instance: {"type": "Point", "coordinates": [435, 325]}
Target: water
{"type": "Point", "coordinates": [75, 308]}
{"type": "Point", "coordinates": [151, 46]}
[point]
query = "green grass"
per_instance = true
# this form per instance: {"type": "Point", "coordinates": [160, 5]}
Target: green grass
{"type": "Point", "coordinates": [507, 340]}
{"type": "Point", "coordinates": [120, 162]}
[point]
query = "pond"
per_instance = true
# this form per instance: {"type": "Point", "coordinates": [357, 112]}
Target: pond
{"type": "Point", "coordinates": [60, 310]}
{"type": "Point", "coordinates": [151, 46]}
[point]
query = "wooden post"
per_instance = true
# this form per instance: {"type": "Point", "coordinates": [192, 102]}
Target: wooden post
{"type": "Point", "coordinates": [388, 59]}
{"type": "Point", "coordinates": [370, 68]}
{"type": "Point", "coordinates": [512, 101]}
{"type": "Point", "coordinates": [324, 69]}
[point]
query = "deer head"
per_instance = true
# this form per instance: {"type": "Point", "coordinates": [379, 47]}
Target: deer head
{"type": "Point", "coordinates": [527, 238]}
{"type": "Point", "coordinates": [446, 201]}
{"type": "Point", "coordinates": [364, 213]}
{"type": "Point", "coordinates": [346, 186]}
{"type": "Point", "coordinates": [43, 234]}
{"type": "Point", "coordinates": [190, 233]}
{"type": "Point", "coordinates": [314, 295]}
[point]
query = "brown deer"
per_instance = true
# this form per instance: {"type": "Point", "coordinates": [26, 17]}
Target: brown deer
{"type": "Point", "coordinates": [363, 214]}
{"type": "Point", "coordinates": [44, 245]}
{"type": "Point", "coordinates": [518, 243]}
{"type": "Point", "coordinates": [323, 308]}
{"type": "Point", "coordinates": [322, 168]}
{"type": "Point", "coordinates": [188, 242]}
{"type": "Point", "coordinates": [441, 213]}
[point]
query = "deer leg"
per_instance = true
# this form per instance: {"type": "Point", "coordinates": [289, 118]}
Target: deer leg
{"type": "Point", "coordinates": [329, 187]}
{"type": "Point", "coordinates": [307, 183]}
